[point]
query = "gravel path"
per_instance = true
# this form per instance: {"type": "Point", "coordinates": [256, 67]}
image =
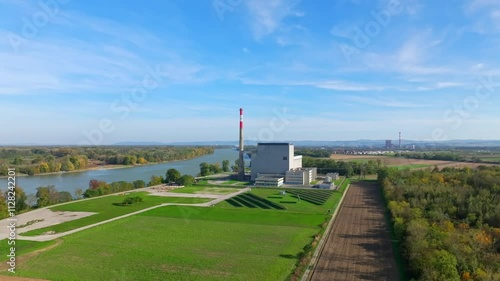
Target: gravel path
{"type": "Point", "coordinates": [359, 246]}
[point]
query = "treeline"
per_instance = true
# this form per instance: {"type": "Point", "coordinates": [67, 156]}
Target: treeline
{"type": "Point", "coordinates": [447, 222]}
{"type": "Point", "coordinates": [40, 160]}
{"type": "Point", "coordinates": [216, 168]}
{"type": "Point", "coordinates": [443, 156]}
{"type": "Point", "coordinates": [172, 176]}
{"type": "Point", "coordinates": [49, 195]}
{"type": "Point", "coordinates": [314, 152]}
{"type": "Point", "coordinates": [45, 196]}
{"type": "Point", "coordinates": [347, 169]}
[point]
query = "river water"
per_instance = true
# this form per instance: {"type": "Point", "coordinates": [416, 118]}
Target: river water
{"type": "Point", "coordinates": [71, 181]}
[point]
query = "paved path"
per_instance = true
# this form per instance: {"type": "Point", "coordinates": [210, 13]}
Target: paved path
{"type": "Point", "coordinates": [42, 238]}
{"type": "Point", "coordinates": [359, 246]}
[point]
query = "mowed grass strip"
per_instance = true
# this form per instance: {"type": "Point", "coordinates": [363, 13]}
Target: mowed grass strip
{"type": "Point", "coordinates": [291, 202]}
{"type": "Point", "coordinates": [105, 209]}
{"type": "Point", "coordinates": [147, 247]}
{"type": "Point", "coordinates": [224, 212]}
{"type": "Point", "coordinates": [206, 190]}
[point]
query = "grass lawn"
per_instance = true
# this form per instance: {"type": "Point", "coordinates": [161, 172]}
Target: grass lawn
{"type": "Point", "coordinates": [196, 189]}
{"type": "Point", "coordinates": [231, 182]}
{"type": "Point", "coordinates": [106, 210]}
{"type": "Point", "coordinates": [22, 247]}
{"type": "Point", "coordinates": [190, 243]}
{"type": "Point", "coordinates": [157, 245]}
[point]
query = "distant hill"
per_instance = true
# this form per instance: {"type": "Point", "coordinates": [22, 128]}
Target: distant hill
{"type": "Point", "coordinates": [358, 143]}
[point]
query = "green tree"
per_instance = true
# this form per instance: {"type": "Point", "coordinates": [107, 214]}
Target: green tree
{"type": "Point", "coordinates": [64, 197]}
{"type": "Point", "coordinates": [172, 176]}
{"type": "Point", "coordinates": [46, 195]}
{"type": "Point", "coordinates": [186, 180]}
{"type": "Point", "coordinates": [4, 210]}
{"type": "Point", "coordinates": [204, 169]}
{"type": "Point", "coordinates": [225, 166]}
{"type": "Point", "coordinates": [21, 197]}
{"type": "Point", "coordinates": [215, 168]}
{"type": "Point", "coordinates": [443, 266]}
{"type": "Point", "coordinates": [139, 184]}
{"type": "Point", "coordinates": [156, 180]}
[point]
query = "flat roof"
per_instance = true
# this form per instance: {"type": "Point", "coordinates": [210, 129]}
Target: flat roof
{"type": "Point", "coordinates": [274, 143]}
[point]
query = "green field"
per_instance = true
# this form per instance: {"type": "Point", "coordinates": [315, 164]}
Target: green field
{"type": "Point", "coordinates": [22, 247]}
{"type": "Point", "coordinates": [491, 159]}
{"type": "Point", "coordinates": [223, 242]}
{"type": "Point", "coordinates": [106, 210]}
{"type": "Point", "coordinates": [172, 249]}
{"type": "Point", "coordinates": [206, 190]}
{"type": "Point", "coordinates": [411, 166]}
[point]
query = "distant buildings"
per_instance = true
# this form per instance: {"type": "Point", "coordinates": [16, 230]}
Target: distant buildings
{"type": "Point", "coordinates": [276, 163]}
{"type": "Point", "coordinates": [388, 144]}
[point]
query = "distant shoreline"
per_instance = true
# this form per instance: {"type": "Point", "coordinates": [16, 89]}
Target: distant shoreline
{"type": "Point", "coordinates": [104, 167]}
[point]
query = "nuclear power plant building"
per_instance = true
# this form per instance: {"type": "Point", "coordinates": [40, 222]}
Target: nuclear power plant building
{"type": "Point", "coordinates": [276, 163]}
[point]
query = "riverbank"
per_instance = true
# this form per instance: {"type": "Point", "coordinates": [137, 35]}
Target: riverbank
{"type": "Point", "coordinates": [103, 167]}
{"type": "Point", "coordinates": [71, 181]}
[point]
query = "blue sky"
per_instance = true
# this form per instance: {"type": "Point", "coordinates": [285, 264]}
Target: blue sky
{"type": "Point", "coordinates": [100, 72]}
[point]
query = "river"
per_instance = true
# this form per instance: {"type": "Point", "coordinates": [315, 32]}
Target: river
{"type": "Point", "coordinates": [72, 181]}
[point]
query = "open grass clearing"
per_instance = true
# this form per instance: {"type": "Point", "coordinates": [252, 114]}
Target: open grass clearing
{"type": "Point", "coordinates": [105, 209]}
{"type": "Point", "coordinates": [193, 248]}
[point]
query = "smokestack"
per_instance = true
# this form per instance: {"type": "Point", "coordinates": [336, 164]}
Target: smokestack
{"type": "Point", "coordinates": [241, 162]}
{"type": "Point", "coordinates": [400, 140]}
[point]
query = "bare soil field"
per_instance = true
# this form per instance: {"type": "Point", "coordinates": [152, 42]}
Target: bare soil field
{"type": "Point", "coordinates": [359, 246]}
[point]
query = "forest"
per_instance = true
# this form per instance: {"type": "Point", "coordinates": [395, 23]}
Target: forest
{"type": "Point", "coordinates": [447, 221]}
{"type": "Point", "coordinates": [41, 160]}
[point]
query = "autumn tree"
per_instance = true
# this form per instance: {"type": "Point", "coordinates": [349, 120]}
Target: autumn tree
{"type": "Point", "coordinates": [225, 166]}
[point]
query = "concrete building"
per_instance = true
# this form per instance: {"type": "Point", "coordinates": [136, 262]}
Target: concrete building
{"type": "Point", "coordinates": [279, 160]}
{"type": "Point", "coordinates": [274, 158]}
{"type": "Point", "coordinates": [331, 177]}
{"type": "Point", "coordinates": [388, 144]}
{"type": "Point", "coordinates": [301, 176]}
{"type": "Point", "coordinates": [269, 180]}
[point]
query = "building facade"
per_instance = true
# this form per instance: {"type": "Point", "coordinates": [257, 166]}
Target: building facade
{"type": "Point", "coordinates": [274, 158]}
{"type": "Point", "coordinates": [279, 160]}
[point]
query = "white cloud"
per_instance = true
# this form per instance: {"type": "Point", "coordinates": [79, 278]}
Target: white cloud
{"type": "Point", "coordinates": [268, 15]}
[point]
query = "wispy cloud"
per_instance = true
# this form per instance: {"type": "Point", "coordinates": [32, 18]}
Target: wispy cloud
{"type": "Point", "coordinates": [267, 16]}
{"type": "Point", "coordinates": [383, 102]}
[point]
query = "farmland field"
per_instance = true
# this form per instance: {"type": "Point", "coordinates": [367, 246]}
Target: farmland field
{"type": "Point", "coordinates": [406, 162]}
{"type": "Point", "coordinates": [105, 209]}
{"type": "Point", "coordinates": [359, 246]}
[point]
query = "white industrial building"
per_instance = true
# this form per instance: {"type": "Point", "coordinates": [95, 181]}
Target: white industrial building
{"type": "Point", "coordinates": [278, 160]}
{"type": "Point", "coordinates": [269, 180]}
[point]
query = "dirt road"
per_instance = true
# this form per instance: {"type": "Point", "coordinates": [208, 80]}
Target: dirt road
{"type": "Point", "coordinates": [359, 246]}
